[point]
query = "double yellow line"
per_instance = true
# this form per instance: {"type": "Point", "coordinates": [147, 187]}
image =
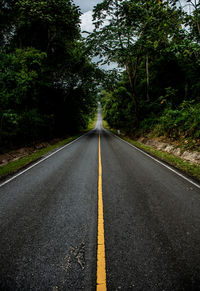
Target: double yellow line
{"type": "Point", "coordinates": [101, 260]}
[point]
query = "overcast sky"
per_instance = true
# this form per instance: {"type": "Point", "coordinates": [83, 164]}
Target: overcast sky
{"type": "Point", "coordinates": [86, 7]}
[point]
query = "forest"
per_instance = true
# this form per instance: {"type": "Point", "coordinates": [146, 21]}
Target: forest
{"type": "Point", "coordinates": [49, 85]}
{"type": "Point", "coordinates": [156, 44]}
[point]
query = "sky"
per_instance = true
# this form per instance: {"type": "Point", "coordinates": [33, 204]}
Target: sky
{"type": "Point", "coordinates": [86, 7]}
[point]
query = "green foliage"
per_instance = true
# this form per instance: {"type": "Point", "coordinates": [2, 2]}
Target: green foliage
{"type": "Point", "coordinates": [157, 45]}
{"type": "Point", "coordinates": [118, 107]}
{"type": "Point", "coordinates": [187, 167]}
{"type": "Point", "coordinates": [48, 85]}
{"type": "Point", "coordinates": [184, 121]}
{"type": "Point", "coordinates": [133, 32]}
{"type": "Point", "coordinates": [21, 72]}
{"type": "Point", "coordinates": [14, 166]}
{"type": "Point", "coordinates": [46, 25]}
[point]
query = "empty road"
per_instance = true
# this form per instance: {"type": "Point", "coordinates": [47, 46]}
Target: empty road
{"type": "Point", "coordinates": [52, 221]}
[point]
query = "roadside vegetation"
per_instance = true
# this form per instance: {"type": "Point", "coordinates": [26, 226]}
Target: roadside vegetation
{"type": "Point", "coordinates": [48, 84]}
{"type": "Point", "coordinates": [187, 167]}
{"type": "Point", "coordinates": [14, 166]}
{"type": "Point", "coordinates": [191, 169]}
{"type": "Point", "coordinates": [21, 162]}
{"type": "Point", "coordinates": [156, 44]}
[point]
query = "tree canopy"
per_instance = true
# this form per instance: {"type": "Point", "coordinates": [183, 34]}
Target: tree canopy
{"type": "Point", "coordinates": [48, 84]}
{"type": "Point", "coordinates": [156, 45]}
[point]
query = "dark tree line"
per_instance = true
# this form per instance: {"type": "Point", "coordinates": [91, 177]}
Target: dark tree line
{"type": "Point", "coordinates": [48, 84]}
{"type": "Point", "coordinates": [157, 45]}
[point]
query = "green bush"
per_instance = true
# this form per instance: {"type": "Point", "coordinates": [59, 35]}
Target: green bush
{"type": "Point", "coordinates": [184, 121]}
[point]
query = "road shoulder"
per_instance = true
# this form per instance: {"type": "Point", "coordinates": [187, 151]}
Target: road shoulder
{"type": "Point", "coordinates": [189, 169]}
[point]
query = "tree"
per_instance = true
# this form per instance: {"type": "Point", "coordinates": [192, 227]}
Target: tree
{"type": "Point", "coordinates": [125, 31]}
{"type": "Point", "coordinates": [166, 48]}
{"type": "Point", "coordinates": [47, 80]}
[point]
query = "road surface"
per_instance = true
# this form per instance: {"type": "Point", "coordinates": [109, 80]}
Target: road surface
{"type": "Point", "coordinates": [49, 221]}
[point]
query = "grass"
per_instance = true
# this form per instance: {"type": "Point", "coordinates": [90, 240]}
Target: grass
{"type": "Point", "coordinates": [92, 123]}
{"type": "Point", "coordinates": [14, 166]}
{"type": "Point", "coordinates": [187, 167]}
{"type": "Point", "coordinates": [106, 126]}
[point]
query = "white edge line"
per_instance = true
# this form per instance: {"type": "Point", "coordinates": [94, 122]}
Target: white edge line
{"type": "Point", "coordinates": [159, 162]}
{"type": "Point", "coordinates": [42, 160]}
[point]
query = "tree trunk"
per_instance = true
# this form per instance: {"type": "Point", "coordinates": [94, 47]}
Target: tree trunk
{"type": "Point", "coordinates": [197, 19]}
{"type": "Point", "coordinates": [1, 129]}
{"type": "Point", "coordinates": [198, 26]}
{"type": "Point", "coordinates": [132, 85]}
{"type": "Point", "coordinates": [147, 73]}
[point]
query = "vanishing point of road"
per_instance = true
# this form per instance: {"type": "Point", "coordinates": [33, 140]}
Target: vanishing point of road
{"type": "Point", "coordinates": [99, 214]}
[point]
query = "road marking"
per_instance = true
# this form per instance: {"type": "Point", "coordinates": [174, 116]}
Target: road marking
{"type": "Point", "coordinates": [159, 162]}
{"type": "Point", "coordinates": [101, 259]}
{"type": "Point", "coordinates": [42, 160]}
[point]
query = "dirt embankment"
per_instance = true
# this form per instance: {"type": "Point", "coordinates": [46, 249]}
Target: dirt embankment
{"type": "Point", "coordinates": [161, 144]}
{"type": "Point", "coordinates": [173, 148]}
{"type": "Point", "coordinates": [15, 155]}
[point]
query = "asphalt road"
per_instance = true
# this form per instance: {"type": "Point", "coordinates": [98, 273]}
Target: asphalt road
{"type": "Point", "coordinates": [48, 221]}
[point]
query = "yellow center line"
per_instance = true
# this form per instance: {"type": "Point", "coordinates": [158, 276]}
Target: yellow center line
{"type": "Point", "coordinates": [101, 260]}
